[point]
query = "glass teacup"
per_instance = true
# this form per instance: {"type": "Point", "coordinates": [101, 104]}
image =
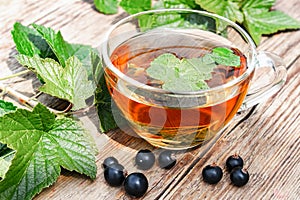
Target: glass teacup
{"type": "Point", "coordinates": [179, 119]}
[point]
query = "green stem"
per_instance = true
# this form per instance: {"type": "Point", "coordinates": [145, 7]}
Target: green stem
{"type": "Point", "coordinates": [27, 101]}
{"type": "Point", "coordinates": [15, 75]}
{"type": "Point", "coordinates": [22, 98]}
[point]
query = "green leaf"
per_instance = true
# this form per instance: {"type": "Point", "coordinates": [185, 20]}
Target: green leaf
{"type": "Point", "coordinates": [229, 9]}
{"type": "Point", "coordinates": [174, 20]}
{"type": "Point", "coordinates": [103, 101]}
{"type": "Point", "coordinates": [60, 47]}
{"type": "Point", "coordinates": [106, 6]}
{"type": "Point", "coordinates": [160, 20]}
{"type": "Point", "coordinates": [189, 4]}
{"type": "Point", "coordinates": [260, 21]}
{"type": "Point", "coordinates": [258, 6]}
{"type": "Point", "coordinates": [135, 6]}
{"type": "Point", "coordinates": [181, 75]}
{"type": "Point", "coordinates": [4, 165]}
{"type": "Point", "coordinates": [6, 154]}
{"type": "Point", "coordinates": [70, 83]}
{"type": "Point", "coordinates": [54, 41]}
{"type": "Point", "coordinates": [29, 42]}
{"type": "Point", "coordinates": [6, 107]}
{"type": "Point", "coordinates": [43, 144]}
{"type": "Point", "coordinates": [225, 56]}
{"type": "Point", "coordinates": [83, 53]}
{"type": "Point", "coordinates": [37, 40]}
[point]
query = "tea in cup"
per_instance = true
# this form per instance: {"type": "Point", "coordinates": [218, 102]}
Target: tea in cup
{"type": "Point", "coordinates": [179, 76]}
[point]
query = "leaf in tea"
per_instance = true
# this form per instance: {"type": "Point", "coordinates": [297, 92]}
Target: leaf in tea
{"type": "Point", "coordinates": [225, 56]}
{"type": "Point", "coordinates": [181, 75]}
{"type": "Point", "coordinates": [190, 74]}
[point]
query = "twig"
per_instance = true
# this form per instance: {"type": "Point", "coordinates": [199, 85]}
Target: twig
{"type": "Point", "coordinates": [15, 75]}
{"type": "Point", "coordinates": [27, 100]}
{"type": "Point", "coordinates": [22, 98]}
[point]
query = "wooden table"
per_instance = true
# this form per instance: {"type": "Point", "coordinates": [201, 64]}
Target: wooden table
{"type": "Point", "coordinates": [267, 138]}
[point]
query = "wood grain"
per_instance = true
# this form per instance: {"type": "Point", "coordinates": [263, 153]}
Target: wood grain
{"type": "Point", "coordinates": [270, 149]}
{"type": "Point", "coordinates": [267, 139]}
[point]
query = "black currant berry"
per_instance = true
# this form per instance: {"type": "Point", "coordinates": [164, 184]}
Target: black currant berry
{"type": "Point", "coordinates": [212, 174]}
{"type": "Point", "coordinates": [109, 161]}
{"type": "Point", "coordinates": [114, 174]}
{"type": "Point", "coordinates": [144, 159]}
{"type": "Point", "coordinates": [233, 162]}
{"type": "Point", "coordinates": [239, 177]}
{"type": "Point", "coordinates": [136, 185]}
{"type": "Point", "coordinates": [165, 160]}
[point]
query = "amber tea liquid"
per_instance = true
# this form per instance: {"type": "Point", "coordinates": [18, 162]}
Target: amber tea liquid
{"type": "Point", "coordinates": [170, 121]}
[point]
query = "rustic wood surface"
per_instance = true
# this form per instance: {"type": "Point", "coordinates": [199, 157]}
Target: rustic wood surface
{"type": "Point", "coordinates": [267, 137]}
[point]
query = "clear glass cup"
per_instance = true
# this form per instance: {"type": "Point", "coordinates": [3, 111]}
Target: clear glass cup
{"type": "Point", "coordinates": [183, 119]}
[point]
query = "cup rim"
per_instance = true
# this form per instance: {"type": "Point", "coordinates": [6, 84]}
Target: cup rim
{"type": "Point", "coordinates": [138, 84]}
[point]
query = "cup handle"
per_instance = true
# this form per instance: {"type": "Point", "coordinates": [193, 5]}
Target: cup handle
{"type": "Point", "coordinates": [269, 77]}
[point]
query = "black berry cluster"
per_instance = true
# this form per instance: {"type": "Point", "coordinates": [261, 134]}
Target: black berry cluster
{"type": "Point", "coordinates": [239, 176]}
{"type": "Point", "coordinates": [145, 159]}
{"type": "Point", "coordinates": [135, 184]}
